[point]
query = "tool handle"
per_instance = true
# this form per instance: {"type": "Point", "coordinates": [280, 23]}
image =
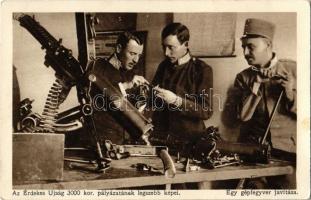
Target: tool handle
{"type": "Point", "coordinates": [169, 167]}
{"type": "Point", "coordinates": [271, 117]}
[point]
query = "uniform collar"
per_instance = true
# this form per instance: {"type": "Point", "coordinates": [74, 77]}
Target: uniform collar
{"type": "Point", "coordinates": [273, 62]}
{"type": "Point", "coordinates": [184, 59]}
{"type": "Point", "coordinates": [115, 62]}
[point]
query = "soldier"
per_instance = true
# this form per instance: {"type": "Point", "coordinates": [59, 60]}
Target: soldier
{"type": "Point", "coordinates": [184, 83]}
{"type": "Point", "coordinates": [119, 70]}
{"type": "Point", "coordinates": [257, 89]}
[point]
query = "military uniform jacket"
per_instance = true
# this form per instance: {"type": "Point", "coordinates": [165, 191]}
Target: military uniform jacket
{"type": "Point", "coordinates": [105, 119]}
{"type": "Point", "coordinates": [254, 110]}
{"type": "Point", "coordinates": [193, 82]}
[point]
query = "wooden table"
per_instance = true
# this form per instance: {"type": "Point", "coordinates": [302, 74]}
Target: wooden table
{"type": "Point", "coordinates": [122, 175]}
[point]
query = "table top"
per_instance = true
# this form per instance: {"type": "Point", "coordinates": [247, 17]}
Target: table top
{"type": "Point", "coordinates": [122, 174]}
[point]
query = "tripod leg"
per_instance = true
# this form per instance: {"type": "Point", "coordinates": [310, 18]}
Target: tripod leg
{"type": "Point", "coordinates": [102, 163]}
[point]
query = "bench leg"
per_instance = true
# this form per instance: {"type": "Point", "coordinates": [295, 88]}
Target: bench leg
{"type": "Point", "coordinates": [205, 185]}
{"type": "Point", "coordinates": [168, 186]}
{"type": "Point", "coordinates": [240, 184]}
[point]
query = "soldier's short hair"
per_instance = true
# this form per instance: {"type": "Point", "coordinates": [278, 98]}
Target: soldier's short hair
{"type": "Point", "coordinates": [178, 29]}
{"type": "Point", "coordinates": [126, 36]}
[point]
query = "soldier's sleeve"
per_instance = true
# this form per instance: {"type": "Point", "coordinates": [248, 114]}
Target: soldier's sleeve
{"type": "Point", "coordinates": [158, 75]}
{"type": "Point", "coordinates": [244, 99]}
{"type": "Point", "coordinates": [200, 104]}
{"type": "Point", "coordinates": [152, 101]}
{"type": "Point", "coordinates": [292, 105]}
{"type": "Point", "coordinates": [288, 67]}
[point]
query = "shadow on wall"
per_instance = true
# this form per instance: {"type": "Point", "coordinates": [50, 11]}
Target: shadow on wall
{"type": "Point", "coordinates": [16, 100]}
{"type": "Point", "coordinates": [229, 116]}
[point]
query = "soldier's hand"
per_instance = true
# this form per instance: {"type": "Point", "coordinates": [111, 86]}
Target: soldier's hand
{"type": "Point", "coordinates": [168, 96]}
{"type": "Point", "coordinates": [136, 81]}
{"type": "Point", "coordinates": [139, 80]}
{"type": "Point", "coordinates": [288, 85]}
{"type": "Point", "coordinates": [287, 81]}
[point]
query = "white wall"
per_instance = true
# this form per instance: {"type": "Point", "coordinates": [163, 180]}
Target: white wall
{"type": "Point", "coordinates": [35, 79]}
{"type": "Point", "coordinates": [153, 23]}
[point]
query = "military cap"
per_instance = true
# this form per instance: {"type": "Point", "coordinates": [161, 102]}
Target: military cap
{"type": "Point", "coordinates": [258, 27]}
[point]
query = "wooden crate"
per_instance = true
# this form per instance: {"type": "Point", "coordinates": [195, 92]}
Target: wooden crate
{"type": "Point", "coordinates": [37, 156]}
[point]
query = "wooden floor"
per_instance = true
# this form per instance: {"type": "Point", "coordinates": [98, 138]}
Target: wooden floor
{"type": "Point", "coordinates": [123, 175]}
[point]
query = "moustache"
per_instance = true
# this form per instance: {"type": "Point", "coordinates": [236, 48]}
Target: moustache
{"type": "Point", "coordinates": [249, 57]}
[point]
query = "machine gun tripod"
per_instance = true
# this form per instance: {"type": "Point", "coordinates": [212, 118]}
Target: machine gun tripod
{"type": "Point", "coordinates": [69, 73]}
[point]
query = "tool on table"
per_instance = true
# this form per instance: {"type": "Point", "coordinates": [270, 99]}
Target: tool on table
{"type": "Point", "coordinates": [147, 168]}
{"type": "Point", "coordinates": [263, 141]}
{"type": "Point", "coordinates": [123, 151]}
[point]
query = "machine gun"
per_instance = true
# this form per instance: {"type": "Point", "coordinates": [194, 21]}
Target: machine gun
{"type": "Point", "coordinates": [69, 73]}
{"type": "Point", "coordinates": [209, 150]}
{"type": "Point", "coordinates": [216, 152]}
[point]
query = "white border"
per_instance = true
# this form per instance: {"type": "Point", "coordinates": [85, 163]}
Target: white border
{"type": "Point", "coordinates": [303, 70]}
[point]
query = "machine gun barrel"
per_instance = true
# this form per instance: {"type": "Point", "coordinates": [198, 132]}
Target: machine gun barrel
{"type": "Point", "coordinates": [37, 31]}
{"type": "Point", "coordinates": [67, 68]}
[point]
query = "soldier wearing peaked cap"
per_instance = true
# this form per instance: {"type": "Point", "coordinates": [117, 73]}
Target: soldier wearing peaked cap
{"type": "Point", "coordinates": [257, 88]}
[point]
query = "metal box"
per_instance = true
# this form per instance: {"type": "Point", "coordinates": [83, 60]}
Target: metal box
{"type": "Point", "coordinates": [37, 156]}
